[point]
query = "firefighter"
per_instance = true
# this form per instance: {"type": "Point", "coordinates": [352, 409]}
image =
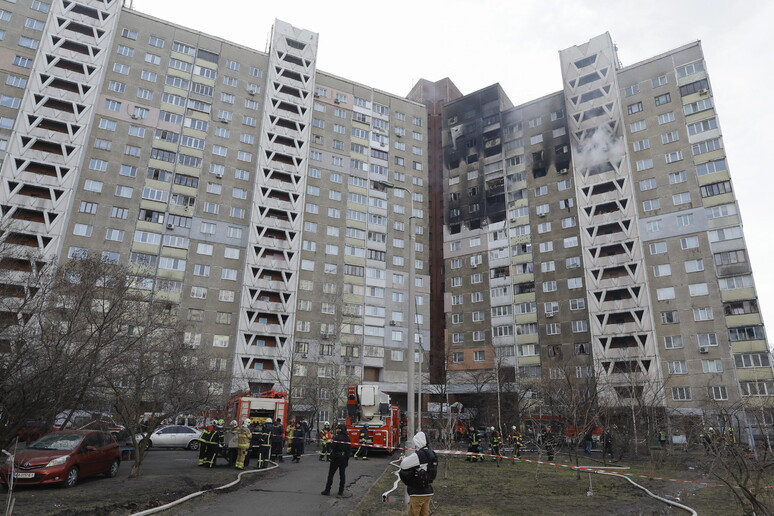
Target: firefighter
{"type": "Point", "coordinates": [548, 442]}
{"type": "Point", "coordinates": [518, 442]}
{"type": "Point", "coordinates": [205, 442]}
{"type": "Point", "coordinates": [325, 439]}
{"type": "Point", "coordinates": [289, 431]}
{"type": "Point", "coordinates": [364, 440]}
{"type": "Point", "coordinates": [215, 445]}
{"type": "Point", "coordinates": [495, 440]}
{"type": "Point", "coordinates": [243, 435]}
{"type": "Point", "coordinates": [231, 442]}
{"type": "Point", "coordinates": [255, 440]}
{"type": "Point", "coordinates": [264, 443]}
{"type": "Point", "coordinates": [276, 440]}
{"type": "Point", "coordinates": [298, 442]}
{"type": "Point", "coordinates": [474, 445]}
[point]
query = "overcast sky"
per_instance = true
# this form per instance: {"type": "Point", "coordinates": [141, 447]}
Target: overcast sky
{"type": "Point", "coordinates": [476, 43]}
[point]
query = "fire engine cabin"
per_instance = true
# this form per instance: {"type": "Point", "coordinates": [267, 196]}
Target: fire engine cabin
{"type": "Point", "coordinates": [367, 405]}
{"type": "Point", "coordinates": [257, 409]}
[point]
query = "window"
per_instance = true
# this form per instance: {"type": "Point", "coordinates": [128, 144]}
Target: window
{"type": "Point", "coordinates": [634, 108]}
{"type": "Point", "coordinates": [677, 177]}
{"type": "Point", "coordinates": [666, 118]}
{"type": "Point", "coordinates": [681, 198]}
{"type": "Point", "coordinates": [658, 248]}
{"type": "Point", "coordinates": [662, 270]}
{"type": "Point", "coordinates": [479, 356]}
{"type": "Point", "coordinates": [660, 100]}
{"type": "Point", "coordinates": [651, 205]}
{"type": "Point", "coordinates": [677, 367]}
{"type": "Point", "coordinates": [681, 393]}
{"type": "Point", "coordinates": [641, 145]}
{"type": "Point", "coordinates": [670, 317]}
{"type": "Point", "coordinates": [673, 342]}
{"type": "Point", "coordinates": [689, 242]}
{"type": "Point", "coordinates": [26, 42]}
{"type": "Point", "coordinates": [665, 293]}
{"type": "Point", "coordinates": [648, 184]}
{"type": "Point", "coordinates": [703, 314]}
{"type": "Point", "coordinates": [707, 339]}
{"type": "Point", "coordinates": [712, 366]}
{"type": "Point", "coordinates": [658, 81]}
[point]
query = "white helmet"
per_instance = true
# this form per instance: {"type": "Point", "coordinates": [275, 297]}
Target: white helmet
{"type": "Point", "coordinates": [513, 427]}
{"type": "Point", "coordinates": [234, 423]}
{"type": "Point", "coordinates": [245, 422]}
{"type": "Point", "coordinates": [492, 429]}
{"type": "Point", "coordinates": [268, 420]}
{"type": "Point", "coordinates": [326, 424]}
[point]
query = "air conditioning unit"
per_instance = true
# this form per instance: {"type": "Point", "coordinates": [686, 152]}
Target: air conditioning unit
{"type": "Point", "coordinates": [170, 225]}
{"type": "Point", "coordinates": [316, 95]}
{"type": "Point", "coordinates": [223, 119]}
{"type": "Point", "coordinates": [252, 91]}
{"type": "Point", "coordinates": [135, 116]}
{"type": "Point", "coordinates": [550, 314]}
{"type": "Point", "coordinates": [563, 171]}
{"type": "Point", "coordinates": [704, 91]}
{"type": "Point", "coordinates": [325, 336]}
{"type": "Point", "coordinates": [393, 323]}
{"type": "Point", "coordinates": [336, 101]}
{"type": "Point", "coordinates": [541, 214]}
{"type": "Point", "coordinates": [219, 175]}
{"type": "Point", "coordinates": [703, 350]}
{"type": "Point", "coordinates": [304, 355]}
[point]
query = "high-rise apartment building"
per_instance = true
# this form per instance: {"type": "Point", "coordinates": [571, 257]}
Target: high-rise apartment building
{"type": "Point", "coordinates": [594, 233]}
{"type": "Point", "coordinates": [305, 226]}
{"type": "Point", "coordinates": [278, 209]}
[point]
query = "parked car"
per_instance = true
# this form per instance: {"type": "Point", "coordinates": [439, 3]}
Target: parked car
{"type": "Point", "coordinates": [174, 436]}
{"type": "Point", "coordinates": [64, 457]}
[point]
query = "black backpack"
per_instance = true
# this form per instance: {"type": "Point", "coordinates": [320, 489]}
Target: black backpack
{"type": "Point", "coordinates": [417, 477]}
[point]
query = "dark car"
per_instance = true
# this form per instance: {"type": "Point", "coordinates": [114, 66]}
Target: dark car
{"type": "Point", "coordinates": [64, 457]}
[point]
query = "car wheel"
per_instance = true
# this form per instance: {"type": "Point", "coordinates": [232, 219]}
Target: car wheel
{"type": "Point", "coordinates": [193, 445]}
{"type": "Point", "coordinates": [113, 471]}
{"type": "Point", "coordinates": [72, 477]}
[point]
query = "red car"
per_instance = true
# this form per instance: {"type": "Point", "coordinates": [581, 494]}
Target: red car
{"type": "Point", "coordinates": [64, 457]}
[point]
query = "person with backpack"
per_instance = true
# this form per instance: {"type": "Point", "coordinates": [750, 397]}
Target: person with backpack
{"type": "Point", "coordinates": [418, 471]}
{"type": "Point", "coordinates": [340, 452]}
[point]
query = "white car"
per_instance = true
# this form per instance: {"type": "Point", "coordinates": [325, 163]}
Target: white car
{"type": "Point", "coordinates": [174, 436]}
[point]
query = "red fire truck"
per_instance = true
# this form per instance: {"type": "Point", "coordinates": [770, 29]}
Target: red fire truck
{"type": "Point", "coordinates": [257, 409]}
{"type": "Point", "coordinates": [367, 405]}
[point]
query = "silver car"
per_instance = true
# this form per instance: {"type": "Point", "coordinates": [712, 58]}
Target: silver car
{"type": "Point", "coordinates": [174, 436]}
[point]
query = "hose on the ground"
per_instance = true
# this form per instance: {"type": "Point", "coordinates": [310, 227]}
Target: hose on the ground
{"type": "Point", "coordinates": [199, 493]}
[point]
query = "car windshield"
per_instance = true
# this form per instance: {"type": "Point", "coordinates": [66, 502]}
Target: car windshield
{"type": "Point", "coordinates": [57, 442]}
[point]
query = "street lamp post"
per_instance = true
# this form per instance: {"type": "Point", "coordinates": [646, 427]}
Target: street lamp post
{"type": "Point", "coordinates": [411, 347]}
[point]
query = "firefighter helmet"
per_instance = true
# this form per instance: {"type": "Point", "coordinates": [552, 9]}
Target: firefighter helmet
{"type": "Point", "coordinates": [513, 427]}
{"type": "Point", "coordinates": [234, 422]}
{"type": "Point", "coordinates": [365, 425]}
{"type": "Point", "coordinates": [326, 424]}
{"type": "Point", "coordinates": [492, 429]}
{"type": "Point", "coordinates": [268, 420]}
{"type": "Point", "coordinates": [221, 422]}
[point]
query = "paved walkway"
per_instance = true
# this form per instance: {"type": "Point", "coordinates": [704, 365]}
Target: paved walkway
{"type": "Point", "coordinates": [293, 489]}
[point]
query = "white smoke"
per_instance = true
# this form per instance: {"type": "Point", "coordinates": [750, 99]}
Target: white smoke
{"type": "Point", "coordinates": [599, 148]}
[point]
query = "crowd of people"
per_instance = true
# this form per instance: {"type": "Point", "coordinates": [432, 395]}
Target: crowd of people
{"type": "Point", "coordinates": [266, 441]}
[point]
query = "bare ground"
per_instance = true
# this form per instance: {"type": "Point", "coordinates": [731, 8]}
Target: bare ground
{"type": "Point", "coordinates": [477, 489]}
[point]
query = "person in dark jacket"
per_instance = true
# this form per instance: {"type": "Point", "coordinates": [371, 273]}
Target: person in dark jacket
{"type": "Point", "coordinates": [340, 452]}
{"type": "Point", "coordinates": [418, 471]}
{"type": "Point", "coordinates": [298, 442]}
{"type": "Point", "coordinates": [276, 441]}
{"type": "Point", "coordinates": [474, 446]}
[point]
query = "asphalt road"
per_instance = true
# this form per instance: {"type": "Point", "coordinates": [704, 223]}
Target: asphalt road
{"type": "Point", "coordinates": [293, 489]}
